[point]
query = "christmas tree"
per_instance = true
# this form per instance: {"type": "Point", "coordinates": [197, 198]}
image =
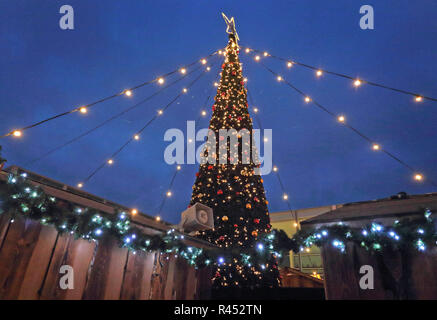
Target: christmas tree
{"type": "Point", "coordinates": [232, 188]}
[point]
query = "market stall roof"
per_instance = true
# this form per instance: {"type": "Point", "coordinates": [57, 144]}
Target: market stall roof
{"type": "Point", "coordinates": [397, 205]}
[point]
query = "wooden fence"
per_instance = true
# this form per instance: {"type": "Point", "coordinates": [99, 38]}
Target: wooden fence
{"type": "Point", "coordinates": [32, 254]}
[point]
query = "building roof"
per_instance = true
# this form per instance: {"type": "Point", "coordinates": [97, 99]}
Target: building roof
{"type": "Point", "coordinates": [304, 213]}
{"type": "Point", "coordinates": [398, 205]}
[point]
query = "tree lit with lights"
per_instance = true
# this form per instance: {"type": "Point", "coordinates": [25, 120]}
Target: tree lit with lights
{"type": "Point", "coordinates": [233, 190]}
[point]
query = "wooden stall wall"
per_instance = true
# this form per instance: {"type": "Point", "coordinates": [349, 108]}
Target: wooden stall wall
{"type": "Point", "coordinates": [292, 278]}
{"type": "Point", "coordinates": [31, 256]}
{"type": "Point", "coordinates": [408, 276]}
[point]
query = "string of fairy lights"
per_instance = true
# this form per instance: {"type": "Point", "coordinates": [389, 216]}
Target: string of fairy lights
{"type": "Point", "coordinates": [357, 82]}
{"type": "Point", "coordinates": [184, 74]}
{"type": "Point", "coordinates": [258, 56]}
{"type": "Point", "coordinates": [84, 109]}
{"type": "Point", "coordinates": [341, 119]}
{"type": "Point", "coordinates": [137, 135]}
{"type": "Point", "coordinates": [275, 168]}
{"type": "Point", "coordinates": [169, 191]}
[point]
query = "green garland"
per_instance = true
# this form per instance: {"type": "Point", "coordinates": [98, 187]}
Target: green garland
{"type": "Point", "coordinates": [20, 197]}
{"type": "Point", "coordinates": [419, 233]}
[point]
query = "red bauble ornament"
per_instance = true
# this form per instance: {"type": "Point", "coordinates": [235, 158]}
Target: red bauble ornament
{"type": "Point", "coordinates": [210, 167]}
{"type": "Point", "coordinates": [197, 174]}
{"type": "Point", "coordinates": [235, 225]}
{"type": "Point", "coordinates": [220, 192]}
{"type": "Point", "coordinates": [256, 220]}
{"type": "Point", "coordinates": [221, 238]}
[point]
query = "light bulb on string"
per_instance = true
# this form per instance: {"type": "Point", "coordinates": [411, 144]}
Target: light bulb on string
{"type": "Point", "coordinates": [137, 137]}
{"type": "Point", "coordinates": [255, 110]}
{"type": "Point", "coordinates": [160, 112]}
{"type": "Point", "coordinates": [341, 118]}
{"type": "Point", "coordinates": [203, 113]}
{"type": "Point", "coordinates": [158, 218]}
{"type": "Point", "coordinates": [178, 168]}
{"type": "Point", "coordinates": [128, 93]}
{"type": "Point", "coordinates": [319, 73]}
{"type": "Point", "coordinates": [161, 80]}
{"type": "Point", "coordinates": [376, 147]}
{"type": "Point", "coordinates": [184, 90]}
{"type": "Point", "coordinates": [183, 70]}
{"type": "Point", "coordinates": [257, 58]}
{"type": "Point", "coordinates": [266, 54]}
{"type": "Point", "coordinates": [418, 177]}
{"type": "Point", "coordinates": [203, 61]}
{"type": "Point", "coordinates": [134, 211]}
{"type": "Point", "coordinates": [418, 99]}
{"type": "Point", "coordinates": [169, 193]}
{"type": "Point", "coordinates": [279, 78]}
{"type": "Point", "coordinates": [307, 99]}
{"type": "Point", "coordinates": [285, 196]}
{"type": "Point", "coordinates": [275, 168]}
{"type": "Point", "coordinates": [289, 64]}
{"type": "Point", "coordinates": [83, 109]}
{"type": "Point", "coordinates": [110, 161]}
{"type": "Point", "coordinates": [80, 185]}
{"type": "Point", "coordinates": [357, 83]}
{"type": "Point", "coordinates": [17, 133]}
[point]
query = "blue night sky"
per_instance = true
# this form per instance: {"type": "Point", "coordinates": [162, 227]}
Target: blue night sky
{"type": "Point", "coordinates": [118, 44]}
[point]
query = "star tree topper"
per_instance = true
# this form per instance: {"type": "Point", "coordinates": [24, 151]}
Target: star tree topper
{"type": "Point", "coordinates": [230, 23]}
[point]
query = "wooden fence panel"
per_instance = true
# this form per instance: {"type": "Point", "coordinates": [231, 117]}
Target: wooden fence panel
{"type": "Point", "coordinates": [339, 270]}
{"type": "Point", "coordinates": [106, 272]}
{"type": "Point", "coordinates": [4, 226]}
{"type": "Point", "coordinates": [138, 275]}
{"type": "Point", "coordinates": [180, 279]}
{"type": "Point", "coordinates": [159, 277]}
{"type": "Point", "coordinates": [191, 284]}
{"type": "Point", "coordinates": [32, 255]}
{"type": "Point", "coordinates": [169, 290]}
{"type": "Point", "coordinates": [24, 258]}
{"type": "Point", "coordinates": [203, 285]}
{"type": "Point", "coordinates": [75, 253]}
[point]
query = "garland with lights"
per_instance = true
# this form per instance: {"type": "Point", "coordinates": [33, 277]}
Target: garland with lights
{"type": "Point", "coordinates": [419, 233]}
{"type": "Point", "coordinates": [20, 197]}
